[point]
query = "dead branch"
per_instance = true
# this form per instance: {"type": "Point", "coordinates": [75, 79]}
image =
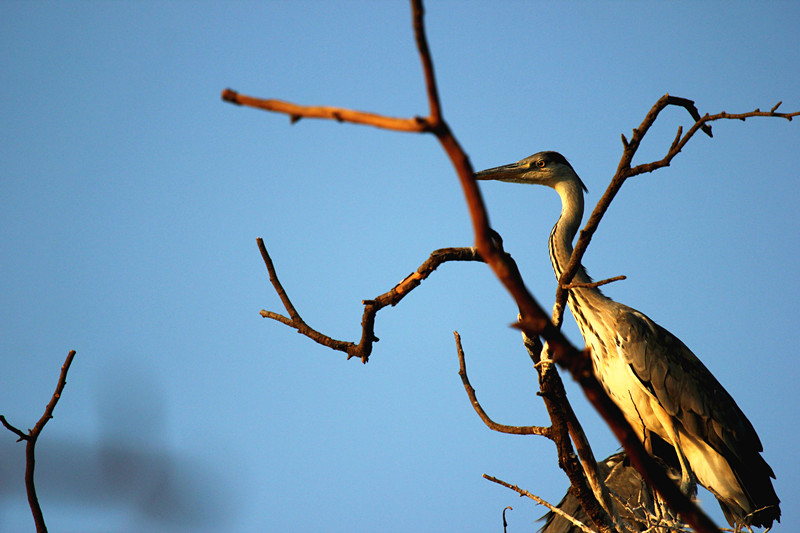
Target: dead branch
{"type": "Point", "coordinates": [598, 499]}
{"type": "Point", "coordinates": [363, 349]}
{"type": "Point", "coordinates": [624, 171]}
{"type": "Point", "coordinates": [491, 424]}
{"type": "Point", "coordinates": [594, 284]}
{"type": "Point", "coordinates": [339, 114]}
{"type": "Point", "coordinates": [30, 438]}
{"type": "Point", "coordinates": [581, 470]}
{"type": "Point", "coordinates": [534, 320]}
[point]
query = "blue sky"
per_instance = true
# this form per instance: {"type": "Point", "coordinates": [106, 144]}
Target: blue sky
{"type": "Point", "coordinates": [132, 197]}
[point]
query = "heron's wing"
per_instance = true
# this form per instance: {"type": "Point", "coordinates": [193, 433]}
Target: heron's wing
{"type": "Point", "coordinates": [685, 388]}
{"type": "Point", "coordinates": [692, 395]}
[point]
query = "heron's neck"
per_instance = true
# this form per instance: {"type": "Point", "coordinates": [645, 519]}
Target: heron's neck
{"type": "Point", "coordinates": [565, 229]}
{"type": "Point", "coordinates": [584, 301]}
{"type": "Point", "coordinates": [561, 240]}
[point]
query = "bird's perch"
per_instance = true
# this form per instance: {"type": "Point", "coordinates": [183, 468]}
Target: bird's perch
{"type": "Point", "coordinates": [535, 321]}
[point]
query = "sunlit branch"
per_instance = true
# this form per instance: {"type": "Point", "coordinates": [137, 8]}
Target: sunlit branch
{"type": "Point", "coordinates": [363, 348]}
{"type": "Point", "coordinates": [491, 424]}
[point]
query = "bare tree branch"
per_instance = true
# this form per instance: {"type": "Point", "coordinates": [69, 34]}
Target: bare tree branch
{"type": "Point", "coordinates": [339, 114]}
{"type": "Point", "coordinates": [363, 349]}
{"type": "Point", "coordinates": [594, 284]}
{"type": "Point", "coordinates": [22, 436]}
{"type": "Point", "coordinates": [491, 424]}
{"type": "Point", "coordinates": [624, 171]}
{"type": "Point", "coordinates": [540, 501]}
{"type": "Point", "coordinates": [30, 438]}
{"type": "Point", "coordinates": [536, 322]}
{"type": "Point", "coordinates": [581, 470]}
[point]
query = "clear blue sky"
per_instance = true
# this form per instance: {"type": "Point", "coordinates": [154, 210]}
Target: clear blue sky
{"type": "Point", "coordinates": [132, 197]}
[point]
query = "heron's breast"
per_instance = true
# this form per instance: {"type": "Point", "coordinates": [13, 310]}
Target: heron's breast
{"type": "Point", "coordinates": [637, 403]}
{"type": "Point", "coordinates": [613, 370]}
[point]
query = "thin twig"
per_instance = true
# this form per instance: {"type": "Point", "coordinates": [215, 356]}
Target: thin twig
{"type": "Point", "coordinates": [594, 284]}
{"type": "Point", "coordinates": [434, 105]}
{"type": "Point", "coordinates": [540, 501]}
{"type": "Point", "coordinates": [30, 446]}
{"type": "Point", "coordinates": [294, 320]}
{"type": "Point", "coordinates": [22, 436]}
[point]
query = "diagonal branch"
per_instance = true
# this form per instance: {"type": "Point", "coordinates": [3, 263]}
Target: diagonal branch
{"type": "Point", "coordinates": [363, 349]}
{"type": "Point", "coordinates": [594, 284]}
{"type": "Point", "coordinates": [32, 436]}
{"type": "Point", "coordinates": [522, 492]}
{"type": "Point", "coordinates": [22, 436]}
{"type": "Point", "coordinates": [581, 470]}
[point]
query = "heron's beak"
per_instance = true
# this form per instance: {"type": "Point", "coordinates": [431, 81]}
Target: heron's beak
{"type": "Point", "coordinates": [510, 173]}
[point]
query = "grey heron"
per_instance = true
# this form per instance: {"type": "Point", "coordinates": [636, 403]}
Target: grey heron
{"type": "Point", "coordinates": [663, 389]}
{"type": "Point", "coordinates": [635, 504]}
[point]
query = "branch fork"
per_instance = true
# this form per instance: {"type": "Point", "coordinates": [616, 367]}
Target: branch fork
{"type": "Point", "coordinates": [32, 436]}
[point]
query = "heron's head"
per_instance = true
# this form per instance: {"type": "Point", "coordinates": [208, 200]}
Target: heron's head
{"type": "Point", "coordinates": [545, 168]}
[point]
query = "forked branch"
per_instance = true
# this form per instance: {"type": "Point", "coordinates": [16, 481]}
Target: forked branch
{"type": "Point", "coordinates": [625, 171]}
{"type": "Point", "coordinates": [363, 348]}
{"type": "Point", "coordinates": [30, 439]}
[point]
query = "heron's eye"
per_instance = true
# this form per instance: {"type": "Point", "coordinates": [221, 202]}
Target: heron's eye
{"type": "Point", "coordinates": [541, 163]}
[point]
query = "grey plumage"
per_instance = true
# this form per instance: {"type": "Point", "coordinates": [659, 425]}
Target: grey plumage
{"type": "Point", "coordinates": [633, 500]}
{"type": "Point", "coordinates": [664, 390]}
